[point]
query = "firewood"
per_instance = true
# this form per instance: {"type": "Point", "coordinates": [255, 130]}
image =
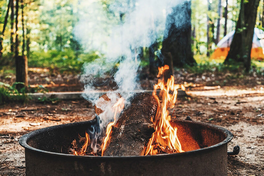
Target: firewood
{"type": "Point", "coordinates": [134, 127]}
{"type": "Point", "coordinates": [104, 101]}
{"type": "Point", "coordinates": [98, 111]}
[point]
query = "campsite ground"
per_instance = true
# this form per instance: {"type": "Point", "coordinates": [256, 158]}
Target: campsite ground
{"type": "Point", "coordinates": [234, 103]}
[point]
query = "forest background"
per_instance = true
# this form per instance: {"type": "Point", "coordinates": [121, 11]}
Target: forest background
{"type": "Point", "coordinates": [50, 33]}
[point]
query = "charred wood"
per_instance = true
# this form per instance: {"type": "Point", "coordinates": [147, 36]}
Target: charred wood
{"type": "Point", "coordinates": [134, 127]}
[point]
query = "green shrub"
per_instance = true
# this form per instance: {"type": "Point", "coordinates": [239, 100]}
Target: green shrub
{"type": "Point", "coordinates": [66, 60]}
{"type": "Point", "coordinates": [11, 94]}
{"type": "Point", "coordinates": [204, 64]}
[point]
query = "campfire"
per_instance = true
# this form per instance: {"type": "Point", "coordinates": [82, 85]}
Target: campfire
{"type": "Point", "coordinates": [158, 134]}
{"type": "Point", "coordinates": [141, 139]}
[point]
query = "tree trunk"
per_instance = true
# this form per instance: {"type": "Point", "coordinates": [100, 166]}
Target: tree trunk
{"type": "Point", "coordinates": [21, 71]}
{"type": "Point", "coordinates": [177, 42]}
{"type": "Point", "coordinates": [152, 49]}
{"type": "Point", "coordinates": [28, 42]}
{"type": "Point", "coordinates": [193, 35]}
{"type": "Point", "coordinates": [209, 21]}
{"type": "Point", "coordinates": [17, 40]}
{"type": "Point", "coordinates": [225, 15]}
{"type": "Point", "coordinates": [263, 14]}
{"type": "Point", "coordinates": [241, 45]}
{"type": "Point", "coordinates": [218, 21]}
{"type": "Point", "coordinates": [3, 31]}
{"type": "Point", "coordinates": [23, 27]}
{"type": "Point", "coordinates": [21, 61]}
{"type": "Point", "coordinates": [12, 27]}
{"type": "Point", "coordinates": [6, 17]}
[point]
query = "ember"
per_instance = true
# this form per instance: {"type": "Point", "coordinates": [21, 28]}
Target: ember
{"type": "Point", "coordinates": [83, 150]}
{"type": "Point", "coordinates": [85, 142]}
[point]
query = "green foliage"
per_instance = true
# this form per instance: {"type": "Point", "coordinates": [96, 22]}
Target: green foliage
{"type": "Point", "coordinates": [6, 71]}
{"type": "Point", "coordinates": [3, 5]}
{"type": "Point", "coordinates": [7, 60]}
{"type": "Point", "coordinates": [50, 27]}
{"type": "Point", "coordinates": [39, 89]}
{"type": "Point", "coordinates": [66, 60]}
{"type": "Point", "coordinates": [246, 1]}
{"type": "Point", "coordinates": [204, 67]}
{"type": "Point", "coordinates": [57, 19]}
{"type": "Point", "coordinates": [48, 100]}
{"type": "Point", "coordinates": [11, 94]}
{"type": "Point", "coordinates": [258, 67]}
{"type": "Point", "coordinates": [208, 65]}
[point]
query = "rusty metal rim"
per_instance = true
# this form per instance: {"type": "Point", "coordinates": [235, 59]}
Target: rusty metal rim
{"type": "Point", "coordinates": [23, 142]}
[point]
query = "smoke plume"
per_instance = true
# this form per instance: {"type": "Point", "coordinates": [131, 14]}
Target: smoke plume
{"type": "Point", "coordinates": [118, 31]}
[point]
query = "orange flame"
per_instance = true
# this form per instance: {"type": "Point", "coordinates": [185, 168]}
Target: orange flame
{"type": "Point", "coordinates": [165, 138]}
{"type": "Point", "coordinates": [118, 107]}
{"type": "Point", "coordinates": [85, 145]}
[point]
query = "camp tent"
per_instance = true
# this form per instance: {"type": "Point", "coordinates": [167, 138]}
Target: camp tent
{"type": "Point", "coordinates": [257, 46]}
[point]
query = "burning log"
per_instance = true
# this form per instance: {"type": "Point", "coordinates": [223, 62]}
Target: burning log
{"type": "Point", "coordinates": [134, 127]}
{"type": "Point", "coordinates": [105, 101]}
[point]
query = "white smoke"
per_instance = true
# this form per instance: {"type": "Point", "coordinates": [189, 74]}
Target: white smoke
{"type": "Point", "coordinates": [107, 114]}
{"type": "Point", "coordinates": [118, 39]}
{"type": "Point", "coordinates": [107, 108]}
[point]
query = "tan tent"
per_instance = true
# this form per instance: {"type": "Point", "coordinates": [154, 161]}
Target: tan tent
{"type": "Point", "coordinates": [257, 46]}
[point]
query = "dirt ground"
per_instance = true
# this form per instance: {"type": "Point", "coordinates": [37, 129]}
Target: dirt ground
{"type": "Point", "coordinates": [243, 115]}
{"type": "Point", "coordinates": [237, 105]}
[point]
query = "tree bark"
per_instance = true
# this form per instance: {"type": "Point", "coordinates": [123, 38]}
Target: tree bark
{"type": "Point", "coordinates": [218, 21]}
{"type": "Point", "coordinates": [193, 35]}
{"type": "Point", "coordinates": [241, 45]}
{"type": "Point", "coordinates": [134, 128]}
{"type": "Point", "coordinates": [262, 19]}
{"type": "Point", "coordinates": [12, 27]}
{"type": "Point", "coordinates": [4, 27]}
{"type": "Point", "coordinates": [21, 61]}
{"type": "Point", "coordinates": [23, 27]}
{"type": "Point", "coordinates": [177, 42]}
{"type": "Point", "coordinates": [152, 49]}
{"type": "Point", "coordinates": [17, 40]}
{"type": "Point", "coordinates": [28, 42]}
{"type": "Point", "coordinates": [209, 21]}
{"type": "Point", "coordinates": [21, 71]}
{"type": "Point", "coordinates": [6, 17]}
{"type": "Point", "coordinates": [168, 60]}
{"type": "Point", "coordinates": [225, 15]}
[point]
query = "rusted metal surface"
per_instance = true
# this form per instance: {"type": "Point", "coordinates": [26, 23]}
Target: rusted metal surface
{"type": "Point", "coordinates": [46, 154]}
